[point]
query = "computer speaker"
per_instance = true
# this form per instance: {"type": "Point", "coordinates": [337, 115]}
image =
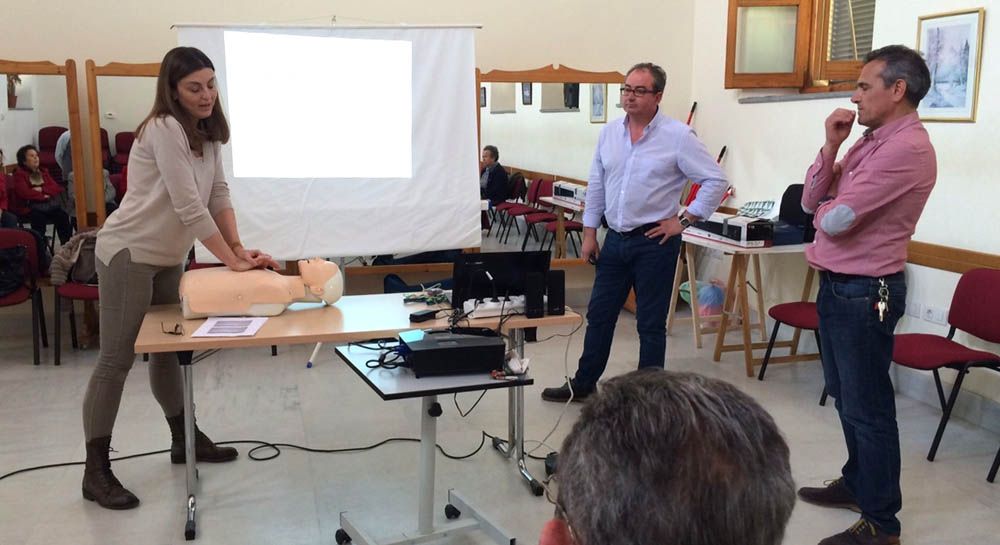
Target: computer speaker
{"type": "Point", "coordinates": [556, 290]}
{"type": "Point", "coordinates": [534, 289]}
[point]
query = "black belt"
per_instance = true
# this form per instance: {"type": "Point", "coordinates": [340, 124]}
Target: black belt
{"type": "Point", "coordinates": [840, 277]}
{"type": "Point", "coordinates": [637, 231]}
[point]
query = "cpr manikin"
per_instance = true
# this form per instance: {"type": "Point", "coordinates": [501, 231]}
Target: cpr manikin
{"type": "Point", "coordinates": [219, 291]}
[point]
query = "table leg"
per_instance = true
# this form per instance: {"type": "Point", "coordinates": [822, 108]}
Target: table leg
{"type": "Point", "coordinates": [190, 463]}
{"type": "Point", "coordinates": [745, 315]}
{"type": "Point", "coordinates": [513, 447]}
{"type": "Point", "coordinates": [560, 233]}
{"type": "Point", "coordinates": [727, 308]}
{"type": "Point", "coordinates": [760, 297]}
{"type": "Point", "coordinates": [428, 440]}
{"type": "Point", "coordinates": [693, 282]}
{"type": "Point", "coordinates": [675, 290]}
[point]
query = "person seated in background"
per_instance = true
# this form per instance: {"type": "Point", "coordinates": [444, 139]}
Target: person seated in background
{"type": "Point", "coordinates": [492, 177]}
{"type": "Point", "coordinates": [38, 195]}
{"type": "Point", "coordinates": [64, 158]}
{"type": "Point", "coordinates": [672, 458]}
{"type": "Point", "coordinates": [8, 219]}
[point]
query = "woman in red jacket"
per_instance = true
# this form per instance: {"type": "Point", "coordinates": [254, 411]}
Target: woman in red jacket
{"type": "Point", "coordinates": [37, 191]}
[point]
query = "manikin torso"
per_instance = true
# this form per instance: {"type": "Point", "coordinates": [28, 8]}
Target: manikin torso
{"type": "Point", "coordinates": [219, 291]}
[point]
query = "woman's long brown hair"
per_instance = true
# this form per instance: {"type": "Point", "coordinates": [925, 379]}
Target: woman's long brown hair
{"type": "Point", "coordinates": [177, 64]}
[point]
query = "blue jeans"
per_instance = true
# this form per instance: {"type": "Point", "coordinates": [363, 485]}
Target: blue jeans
{"type": "Point", "coordinates": [628, 261]}
{"type": "Point", "coordinates": [857, 352]}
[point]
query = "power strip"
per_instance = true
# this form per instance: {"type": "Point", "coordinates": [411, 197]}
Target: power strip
{"type": "Point", "coordinates": [488, 309]}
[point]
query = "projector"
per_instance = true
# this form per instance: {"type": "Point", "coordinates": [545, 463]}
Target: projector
{"type": "Point", "coordinates": [737, 230]}
{"type": "Point", "coordinates": [434, 354]}
{"type": "Point", "coordinates": [569, 191]}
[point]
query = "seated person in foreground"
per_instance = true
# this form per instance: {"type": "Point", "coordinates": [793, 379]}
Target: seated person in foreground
{"type": "Point", "coordinates": [667, 458]}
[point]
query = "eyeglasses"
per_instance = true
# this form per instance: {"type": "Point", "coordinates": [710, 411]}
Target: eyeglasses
{"type": "Point", "coordinates": [637, 91]}
{"type": "Point", "coordinates": [178, 329]}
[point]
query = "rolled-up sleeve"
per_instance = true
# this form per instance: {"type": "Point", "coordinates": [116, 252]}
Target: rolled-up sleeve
{"type": "Point", "coordinates": [701, 168]}
{"type": "Point", "coordinates": [173, 159]}
{"type": "Point", "coordinates": [595, 189]}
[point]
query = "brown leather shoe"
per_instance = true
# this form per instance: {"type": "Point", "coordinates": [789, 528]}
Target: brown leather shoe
{"type": "Point", "coordinates": [99, 483]}
{"type": "Point", "coordinates": [862, 533]}
{"type": "Point", "coordinates": [204, 449]}
{"type": "Point", "coordinates": [833, 494]}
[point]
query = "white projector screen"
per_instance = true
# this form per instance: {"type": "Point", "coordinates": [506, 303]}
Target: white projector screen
{"type": "Point", "coordinates": [348, 141]}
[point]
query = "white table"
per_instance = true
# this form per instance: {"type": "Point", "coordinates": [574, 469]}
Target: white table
{"type": "Point", "coordinates": [736, 296]}
{"type": "Point", "coordinates": [353, 318]}
{"type": "Point", "coordinates": [400, 383]}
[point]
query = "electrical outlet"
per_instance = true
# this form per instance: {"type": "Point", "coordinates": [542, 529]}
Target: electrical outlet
{"type": "Point", "coordinates": [935, 315]}
{"type": "Point", "coordinates": [913, 309]}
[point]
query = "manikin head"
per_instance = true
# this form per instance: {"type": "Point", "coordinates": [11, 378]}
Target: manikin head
{"type": "Point", "coordinates": [323, 279]}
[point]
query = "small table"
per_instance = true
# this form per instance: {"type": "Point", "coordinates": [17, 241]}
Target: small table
{"type": "Point", "coordinates": [561, 205]}
{"type": "Point", "coordinates": [353, 318]}
{"type": "Point", "coordinates": [400, 383]}
{"type": "Point", "coordinates": [736, 295]}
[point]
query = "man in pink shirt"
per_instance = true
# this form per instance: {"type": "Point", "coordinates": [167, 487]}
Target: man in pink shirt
{"type": "Point", "coordinates": [867, 206]}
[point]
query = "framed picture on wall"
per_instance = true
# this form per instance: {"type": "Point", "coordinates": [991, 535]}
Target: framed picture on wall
{"type": "Point", "coordinates": [952, 44]}
{"type": "Point", "coordinates": [526, 94]}
{"type": "Point", "coordinates": [598, 102]}
{"type": "Point", "coordinates": [482, 97]}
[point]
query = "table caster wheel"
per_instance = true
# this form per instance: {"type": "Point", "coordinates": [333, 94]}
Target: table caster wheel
{"type": "Point", "coordinates": [342, 537]}
{"type": "Point", "coordinates": [536, 487]}
{"type": "Point", "coordinates": [451, 512]}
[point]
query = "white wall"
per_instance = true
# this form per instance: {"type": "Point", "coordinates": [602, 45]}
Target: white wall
{"type": "Point", "coordinates": [772, 145]}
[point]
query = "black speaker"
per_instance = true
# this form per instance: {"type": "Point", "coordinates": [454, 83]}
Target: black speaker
{"type": "Point", "coordinates": [556, 290]}
{"type": "Point", "coordinates": [534, 288]}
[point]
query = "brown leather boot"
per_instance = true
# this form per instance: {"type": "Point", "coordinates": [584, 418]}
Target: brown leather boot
{"type": "Point", "coordinates": [204, 449]}
{"type": "Point", "coordinates": [99, 483]}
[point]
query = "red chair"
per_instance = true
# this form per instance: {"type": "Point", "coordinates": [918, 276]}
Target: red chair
{"type": "Point", "coordinates": [123, 146]}
{"type": "Point", "coordinates": [12, 238]}
{"type": "Point", "coordinates": [47, 139]}
{"type": "Point", "coordinates": [801, 315]}
{"type": "Point", "coordinates": [74, 291]}
{"type": "Point", "coordinates": [571, 227]}
{"type": "Point", "coordinates": [531, 206]}
{"type": "Point", "coordinates": [975, 309]}
{"type": "Point", "coordinates": [516, 188]}
{"type": "Point", "coordinates": [105, 149]}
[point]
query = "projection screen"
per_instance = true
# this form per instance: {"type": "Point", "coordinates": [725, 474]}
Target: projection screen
{"type": "Point", "coordinates": [348, 140]}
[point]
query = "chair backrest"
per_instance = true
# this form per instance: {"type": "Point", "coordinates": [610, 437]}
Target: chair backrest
{"type": "Point", "coordinates": [105, 142]}
{"type": "Point", "coordinates": [975, 307]}
{"type": "Point", "coordinates": [10, 238]}
{"type": "Point", "coordinates": [790, 210]}
{"type": "Point", "coordinates": [124, 141]}
{"type": "Point", "coordinates": [48, 136]}
{"type": "Point", "coordinates": [516, 187]}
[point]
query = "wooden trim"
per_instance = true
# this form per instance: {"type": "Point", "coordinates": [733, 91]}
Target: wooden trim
{"type": "Point", "coordinates": [947, 258]}
{"type": "Point", "coordinates": [552, 73]}
{"type": "Point", "coordinates": [536, 174]}
{"type": "Point", "coordinates": [381, 270]}
{"type": "Point", "coordinates": [68, 71]}
{"type": "Point", "coordinates": [800, 64]}
{"type": "Point", "coordinates": [120, 69]}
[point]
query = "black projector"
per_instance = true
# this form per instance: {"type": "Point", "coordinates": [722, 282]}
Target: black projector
{"type": "Point", "coordinates": [434, 354]}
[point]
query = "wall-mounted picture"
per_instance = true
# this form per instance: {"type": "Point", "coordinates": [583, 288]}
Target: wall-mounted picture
{"type": "Point", "coordinates": [482, 97]}
{"type": "Point", "coordinates": [598, 102]}
{"type": "Point", "coordinates": [526, 94]}
{"type": "Point", "coordinates": [952, 45]}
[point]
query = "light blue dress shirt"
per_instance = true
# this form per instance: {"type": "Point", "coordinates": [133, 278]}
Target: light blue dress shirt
{"type": "Point", "coordinates": [640, 183]}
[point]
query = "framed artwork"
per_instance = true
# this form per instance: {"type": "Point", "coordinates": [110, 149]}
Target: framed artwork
{"type": "Point", "coordinates": [526, 94]}
{"type": "Point", "coordinates": [482, 97]}
{"type": "Point", "coordinates": [952, 45]}
{"type": "Point", "coordinates": [598, 102]}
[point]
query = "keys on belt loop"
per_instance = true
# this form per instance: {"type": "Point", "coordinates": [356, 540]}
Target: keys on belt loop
{"type": "Point", "coordinates": [882, 305]}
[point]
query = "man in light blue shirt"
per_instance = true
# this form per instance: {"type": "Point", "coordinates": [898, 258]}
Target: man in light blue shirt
{"type": "Point", "coordinates": [639, 170]}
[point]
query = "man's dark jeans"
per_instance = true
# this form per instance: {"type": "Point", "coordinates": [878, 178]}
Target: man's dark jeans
{"type": "Point", "coordinates": [628, 260]}
{"type": "Point", "coordinates": [857, 352]}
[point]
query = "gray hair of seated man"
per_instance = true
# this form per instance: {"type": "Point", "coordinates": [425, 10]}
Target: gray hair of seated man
{"type": "Point", "coordinates": [675, 458]}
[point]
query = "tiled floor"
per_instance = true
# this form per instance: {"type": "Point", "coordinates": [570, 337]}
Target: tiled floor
{"type": "Point", "coordinates": [295, 499]}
